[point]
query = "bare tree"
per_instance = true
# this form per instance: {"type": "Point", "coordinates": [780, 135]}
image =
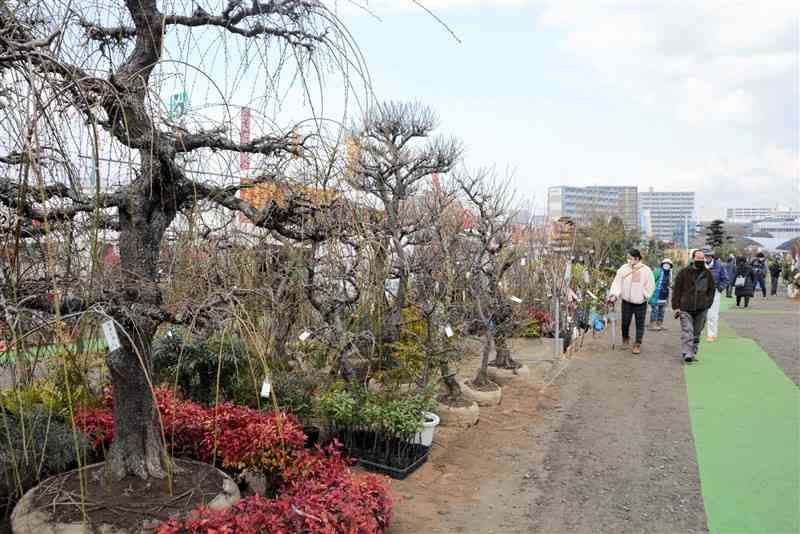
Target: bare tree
{"type": "Point", "coordinates": [71, 72]}
{"type": "Point", "coordinates": [492, 257]}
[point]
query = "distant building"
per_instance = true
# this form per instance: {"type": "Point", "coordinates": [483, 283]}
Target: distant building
{"type": "Point", "coordinates": [670, 212]}
{"type": "Point", "coordinates": [775, 233]}
{"type": "Point", "coordinates": [582, 204]}
{"type": "Point", "coordinates": [747, 215]}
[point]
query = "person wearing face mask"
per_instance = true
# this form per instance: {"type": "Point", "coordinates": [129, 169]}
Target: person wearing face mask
{"type": "Point", "coordinates": [720, 280]}
{"type": "Point", "coordinates": [692, 296]}
{"type": "Point", "coordinates": [634, 285]}
{"type": "Point", "coordinates": [660, 297]}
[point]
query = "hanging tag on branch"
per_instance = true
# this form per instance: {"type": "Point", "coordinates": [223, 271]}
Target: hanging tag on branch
{"type": "Point", "coordinates": [305, 335]}
{"type": "Point", "coordinates": [523, 261]}
{"type": "Point", "coordinates": [448, 331]}
{"type": "Point", "coordinates": [112, 339]}
{"type": "Point", "coordinates": [266, 388]}
{"type": "Point", "coordinates": [516, 299]}
{"type": "Point", "coordinates": [591, 294]}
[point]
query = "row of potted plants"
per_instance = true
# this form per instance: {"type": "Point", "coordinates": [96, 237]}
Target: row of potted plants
{"type": "Point", "coordinates": [390, 435]}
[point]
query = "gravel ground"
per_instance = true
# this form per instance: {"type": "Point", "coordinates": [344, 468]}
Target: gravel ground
{"type": "Point", "coordinates": [775, 325]}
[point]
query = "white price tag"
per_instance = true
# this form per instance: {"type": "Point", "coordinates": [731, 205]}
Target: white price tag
{"type": "Point", "coordinates": [516, 299]}
{"type": "Point", "coordinates": [305, 335]}
{"type": "Point", "coordinates": [112, 339]}
{"type": "Point", "coordinates": [448, 331]}
{"type": "Point", "coordinates": [266, 388]}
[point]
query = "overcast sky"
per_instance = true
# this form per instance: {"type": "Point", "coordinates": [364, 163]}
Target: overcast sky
{"type": "Point", "coordinates": [679, 95]}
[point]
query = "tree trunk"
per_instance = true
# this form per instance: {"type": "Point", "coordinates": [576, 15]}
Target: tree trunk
{"type": "Point", "coordinates": [138, 448]}
{"type": "Point", "coordinates": [450, 382]}
{"type": "Point", "coordinates": [482, 378]}
{"type": "Point", "coordinates": [503, 358]}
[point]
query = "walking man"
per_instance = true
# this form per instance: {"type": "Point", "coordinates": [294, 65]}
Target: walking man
{"type": "Point", "coordinates": [658, 301]}
{"type": "Point", "coordinates": [692, 296]}
{"type": "Point", "coordinates": [720, 281]}
{"type": "Point", "coordinates": [775, 275]}
{"type": "Point", "coordinates": [634, 284]}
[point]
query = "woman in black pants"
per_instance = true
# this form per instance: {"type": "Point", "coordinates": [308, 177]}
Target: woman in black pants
{"type": "Point", "coordinates": [743, 281]}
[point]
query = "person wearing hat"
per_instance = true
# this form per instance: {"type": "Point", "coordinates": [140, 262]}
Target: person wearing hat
{"type": "Point", "coordinates": [658, 301]}
{"type": "Point", "coordinates": [720, 281]}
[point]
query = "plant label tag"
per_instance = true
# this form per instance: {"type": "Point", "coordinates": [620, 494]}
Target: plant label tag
{"type": "Point", "coordinates": [266, 388]}
{"type": "Point", "coordinates": [112, 339]}
{"type": "Point", "coordinates": [592, 295]}
{"type": "Point", "coordinates": [523, 261]}
{"type": "Point", "coordinates": [305, 335]}
{"type": "Point", "coordinates": [448, 331]}
{"type": "Point", "coordinates": [516, 299]}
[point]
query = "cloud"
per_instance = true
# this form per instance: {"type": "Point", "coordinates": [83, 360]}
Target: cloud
{"type": "Point", "coordinates": [710, 62]}
{"type": "Point", "coordinates": [724, 67]}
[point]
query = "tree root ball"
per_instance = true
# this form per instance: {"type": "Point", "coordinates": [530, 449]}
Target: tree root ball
{"type": "Point", "coordinates": [482, 398]}
{"type": "Point", "coordinates": [129, 506]}
{"type": "Point", "coordinates": [458, 416]}
{"type": "Point", "coordinates": [503, 376]}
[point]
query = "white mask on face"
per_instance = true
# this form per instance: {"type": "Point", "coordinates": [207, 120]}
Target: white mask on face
{"type": "Point", "coordinates": [666, 267]}
{"type": "Point", "coordinates": [709, 261]}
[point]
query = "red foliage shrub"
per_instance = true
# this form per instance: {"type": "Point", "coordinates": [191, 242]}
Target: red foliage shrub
{"type": "Point", "coordinates": [317, 493]}
{"type": "Point", "coordinates": [98, 425]}
{"type": "Point", "coordinates": [326, 499]}
{"type": "Point", "coordinates": [540, 316]}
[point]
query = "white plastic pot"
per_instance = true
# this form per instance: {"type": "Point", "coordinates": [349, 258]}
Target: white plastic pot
{"type": "Point", "coordinates": [429, 425]}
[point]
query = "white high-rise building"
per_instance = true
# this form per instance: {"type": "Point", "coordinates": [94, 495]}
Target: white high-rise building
{"type": "Point", "coordinates": [748, 215]}
{"type": "Point", "coordinates": [670, 213]}
{"type": "Point", "coordinates": [581, 204]}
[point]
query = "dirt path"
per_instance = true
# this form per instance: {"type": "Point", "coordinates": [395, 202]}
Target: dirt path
{"type": "Point", "coordinates": [621, 456]}
{"type": "Point", "coordinates": [606, 448]}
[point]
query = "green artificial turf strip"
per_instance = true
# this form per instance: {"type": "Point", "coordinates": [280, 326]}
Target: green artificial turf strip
{"type": "Point", "coordinates": [745, 417]}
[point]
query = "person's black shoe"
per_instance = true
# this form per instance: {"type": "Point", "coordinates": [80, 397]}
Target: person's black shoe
{"type": "Point", "coordinates": [687, 358]}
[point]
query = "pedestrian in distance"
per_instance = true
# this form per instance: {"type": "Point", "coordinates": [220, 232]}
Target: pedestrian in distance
{"type": "Point", "coordinates": [720, 281]}
{"type": "Point", "coordinates": [759, 266]}
{"type": "Point", "coordinates": [744, 282]}
{"type": "Point", "coordinates": [730, 269]}
{"type": "Point", "coordinates": [660, 297]}
{"type": "Point", "coordinates": [634, 285]}
{"type": "Point", "coordinates": [692, 296]}
{"type": "Point", "coordinates": [775, 275]}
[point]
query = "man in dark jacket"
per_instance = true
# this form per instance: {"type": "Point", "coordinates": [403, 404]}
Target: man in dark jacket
{"type": "Point", "coordinates": [730, 270]}
{"type": "Point", "coordinates": [775, 275]}
{"type": "Point", "coordinates": [692, 296]}
{"type": "Point", "coordinates": [760, 272]}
